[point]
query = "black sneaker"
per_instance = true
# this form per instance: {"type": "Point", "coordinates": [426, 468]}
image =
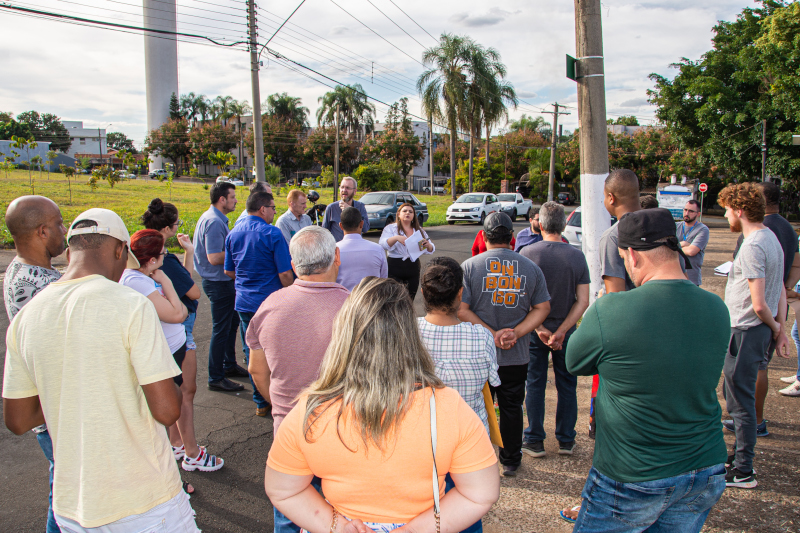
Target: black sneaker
{"type": "Point", "coordinates": [566, 448]}
{"type": "Point", "coordinates": [761, 429]}
{"type": "Point", "coordinates": [236, 372]}
{"type": "Point", "coordinates": [510, 470]}
{"type": "Point", "coordinates": [740, 480]}
{"type": "Point", "coordinates": [225, 385]}
{"type": "Point", "coordinates": [534, 449]}
{"type": "Point", "coordinates": [730, 460]}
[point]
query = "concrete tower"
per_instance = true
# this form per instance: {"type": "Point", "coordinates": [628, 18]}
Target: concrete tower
{"type": "Point", "coordinates": [160, 63]}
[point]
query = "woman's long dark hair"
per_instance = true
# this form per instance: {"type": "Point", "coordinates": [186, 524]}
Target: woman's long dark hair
{"type": "Point", "coordinates": [414, 222]}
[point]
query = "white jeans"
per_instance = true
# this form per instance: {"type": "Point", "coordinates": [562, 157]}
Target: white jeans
{"type": "Point", "coordinates": [173, 516]}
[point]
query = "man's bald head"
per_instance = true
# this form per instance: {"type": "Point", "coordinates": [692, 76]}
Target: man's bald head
{"type": "Point", "coordinates": [624, 185]}
{"type": "Point", "coordinates": [27, 214]}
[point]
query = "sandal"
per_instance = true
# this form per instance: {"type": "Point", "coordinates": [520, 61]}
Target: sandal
{"type": "Point", "coordinates": [564, 516]}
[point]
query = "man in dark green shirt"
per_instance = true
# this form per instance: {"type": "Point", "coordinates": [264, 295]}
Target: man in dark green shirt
{"type": "Point", "coordinates": [659, 452]}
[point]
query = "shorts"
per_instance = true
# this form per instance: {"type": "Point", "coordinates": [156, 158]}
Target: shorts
{"type": "Point", "coordinates": [179, 355]}
{"type": "Point", "coordinates": [767, 356]}
{"type": "Point", "coordinates": [188, 325]}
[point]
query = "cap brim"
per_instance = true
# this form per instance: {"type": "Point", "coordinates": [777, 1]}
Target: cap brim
{"type": "Point", "coordinates": [132, 261]}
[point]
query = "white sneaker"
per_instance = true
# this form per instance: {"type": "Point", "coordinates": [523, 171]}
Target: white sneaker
{"type": "Point", "coordinates": [791, 390]}
{"type": "Point", "coordinates": [789, 379]}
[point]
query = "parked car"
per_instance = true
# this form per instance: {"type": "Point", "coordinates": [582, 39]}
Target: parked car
{"type": "Point", "coordinates": [514, 205]}
{"type": "Point", "coordinates": [566, 198]}
{"type": "Point", "coordinates": [436, 190]}
{"type": "Point", "coordinates": [382, 207]}
{"type": "Point", "coordinates": [123, 175]}
{"type": "Point", "coordinates": [226, 179]}
{"type": "Point", "coordinates": [574, 230]}
{"type": "Point", "coordinates": [473, 207]}
{"type": "Point", "coordinates": [158, 173]}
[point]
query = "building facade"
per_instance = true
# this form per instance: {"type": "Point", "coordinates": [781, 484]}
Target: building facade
{"type": "Point", "coordinates": [85, 140]}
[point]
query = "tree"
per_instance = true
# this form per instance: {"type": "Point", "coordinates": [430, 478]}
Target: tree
{"type": "Point", "coordinates": [107, 173]}
{"type": "Point", "coordinates": [25, 144]}
{"type": "Point", "coordinates": [174, 108]}
{"type": "Point", "coordinates": [484, 178]}
{"type": "Point", "coordinates": [354, 109]}
{"type": "Point", "coordinates": [319, 147]}
{"type": "Point", "coordinates": [170, 140]}
{"type": "Point", "coordinates": [47, 128]}
{"type": "Point", "coordinates": [7, 164]}
{"type": "Point", "coordinates": [238, 109]}
{"type": "Point", "coordinates": [190, 106]}
{"type": "Point", "coordinates": [222, 108]}
{"type": "Point", "coordinates": [380, 176]}
{"type": "Point", "coordinates": [283, 142]}
{"type": "Point", "coordinates": [12, 128]}
{"type": "Point", "coordinates": [37, 160]}
{"type": "Point", "coordinates": [204, 107]}
{"type": "Point", "coordinates": [222, 159]}
{"type": "Point", "coordinates": [288, 108]}
{"type": "Point", "coordinates": [716, 104]}
{"type": "Point", "coordinates": [68, 172]}
{"type": "Point", "coordinates": [120, 141]}
{"type": "Point", "coordinates": [209, 139]}
{"type": "Point", "coordinates": [397, 143]}
{"type": "Point", "coordinates": [526, 123]}
{"type": "Point", "coordinates": [51, 158]}
{"type": "Point", "coordinates": [624, 120]}
{"type": "Point", "coordinates": [443, 86]}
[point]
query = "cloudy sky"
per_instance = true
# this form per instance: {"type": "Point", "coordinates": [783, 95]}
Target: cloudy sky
{"type": "Point", "coordinates": [97, 76]}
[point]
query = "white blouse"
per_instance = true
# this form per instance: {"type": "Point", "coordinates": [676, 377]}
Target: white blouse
{"type": "Point", "coordinates": [398, 250]}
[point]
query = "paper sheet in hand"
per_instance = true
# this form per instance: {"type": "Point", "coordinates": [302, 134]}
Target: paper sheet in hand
{"type": "Point", "coordinates": [412, 244]}
{"type": "Point", "coordinates": [723, 269]}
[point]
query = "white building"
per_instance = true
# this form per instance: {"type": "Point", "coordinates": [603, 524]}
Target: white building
{"type": "Point", "coordinates": [85, 140]}
{"type": "Point", "coordinates": [419, 176]}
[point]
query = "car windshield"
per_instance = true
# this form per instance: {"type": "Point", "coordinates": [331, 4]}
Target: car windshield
{"type": "Point", "coordinates": [575, 219]}
{"type": "Point", "coordinates": [507, 197]}
{"type": "Point", "coordinates": [562, 195]}
{"type": "Point", "coordinates": [377, 198]}
{"type": "Point", "coordinates": [470, 199]}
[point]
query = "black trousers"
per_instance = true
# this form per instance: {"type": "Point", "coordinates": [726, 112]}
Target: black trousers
{"type": "Point", "coordinates": [510, 396]}
{"type": "Point", "coordinates": [406, 273]}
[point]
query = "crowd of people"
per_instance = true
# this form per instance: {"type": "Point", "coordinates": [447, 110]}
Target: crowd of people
{"type": "Point", "coordinates": [105, 354]}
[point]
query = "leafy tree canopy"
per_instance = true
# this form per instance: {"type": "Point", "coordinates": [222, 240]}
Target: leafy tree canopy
{"type": "Point", "coordinates": [46, 127]}
{"type": "Point", "coordinates": [120, 141]}
{"type": "Point", "coordinates": [381, 176]}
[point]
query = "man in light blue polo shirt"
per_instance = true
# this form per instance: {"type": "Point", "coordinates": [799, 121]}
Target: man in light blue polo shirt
{"type": "Point", "coordinates": [257, 259]}
{"type": "Point", "coordinates": [333, 213]}
{"type": "Point", "coordinates": [209, 256]}
{"type": "Point", "coordinates": [359, 257]}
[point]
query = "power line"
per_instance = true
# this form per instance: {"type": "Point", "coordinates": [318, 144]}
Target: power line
{"type": "Point", "coordinates": [280, 27]}
{"type": "Point", "coordinates": [414, 21]}
{"type": "Point", "coordinates": [396, 24]}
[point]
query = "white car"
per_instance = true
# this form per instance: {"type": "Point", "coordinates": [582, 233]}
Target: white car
{"type": "Point", "coordinates": [158, 172]}
{"type": "Point", "coordinates": [514, 205]}
{"type": "Point", "coordinates": [574, 230]}
{"type": "Point", "coordinates": [226, 179]}
{"type": "Point", "coordinates": [473, 207]}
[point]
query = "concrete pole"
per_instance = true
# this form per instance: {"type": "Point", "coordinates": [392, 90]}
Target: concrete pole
{"type": "Point", "coordinates": [258, 135]}
{"type": "Point", "coordinates": [593, 137]}
{"type": "Point", "coordinates": [552, 181]}
{"type": "Point", "coordinates": [764, 150]}
{"type": "Point", "coordinates": [430, 149]}
{"type": "Point", "coordinates": [160, 64]}
{"type": "Point", "coordinates": [336, 160]}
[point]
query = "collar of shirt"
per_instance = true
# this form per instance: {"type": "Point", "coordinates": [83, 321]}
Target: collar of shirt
{"type": "Point", "coordinates": [317, 285]}
{"type": "Point", "coordinates": [352, 237]}
{"type": "Point", "coordinates": [220, 215]}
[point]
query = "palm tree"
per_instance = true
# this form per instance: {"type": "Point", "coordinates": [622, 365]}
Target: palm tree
{"type": "Point", "coordinates": [354, 109]}
{"type": "Point", "coordinates": [222, 108]}
{"type": "Point", "coordinates": [189, 106]}
{"type": "Point", "coordinates": [204, 107]}
{"type": "Point", "coordinates": [526, 123]}
{"type": "Point", "coordinates": [237, 110]}
{"type": "Point", "coordinates": [445, 83]}
{"type": "Point", "coordinates": [286, 107]}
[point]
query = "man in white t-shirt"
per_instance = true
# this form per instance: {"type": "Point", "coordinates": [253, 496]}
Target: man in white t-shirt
{"type": "Point", "coordinates": [38, 230]}
{"type": "Point", "coordinates": [106, 397]}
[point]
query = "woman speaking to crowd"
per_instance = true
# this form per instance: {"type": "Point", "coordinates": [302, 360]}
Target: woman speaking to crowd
{"type": "Point", "coordinates": [368, 429]}
{"type": "Point", "coordinates": [393, 239]}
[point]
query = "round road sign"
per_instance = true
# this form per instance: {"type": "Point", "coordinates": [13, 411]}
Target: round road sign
{"type": "Point", "coordinates": [703, 187]}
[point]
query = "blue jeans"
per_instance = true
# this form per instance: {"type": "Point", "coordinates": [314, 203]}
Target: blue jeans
{"type": "Point", "coordinates": [796, 338]}
{"type": "Point", "coordinates": [283, 524]}
{"type": "Point", "coordinates": [224, 323]}
{"type": "Point", "coordinates": [244, 321]}
{"type": "Point", "coordinates": [566, 385]}
{"type": "Point", "coordinates": [46, 443]}
{"type": "Point", "coordinates": [679, 503]}
{"type": "Point", "coordinates": [477, 527]}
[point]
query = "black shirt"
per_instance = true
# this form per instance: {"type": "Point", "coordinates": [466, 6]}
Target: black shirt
{"type": "Point", "coordinates": [784, 231]}
{"type": "Point", "coordinates": [180, 279]}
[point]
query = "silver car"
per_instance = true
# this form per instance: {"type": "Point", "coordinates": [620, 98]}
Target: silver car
{"type": "Point", "coordinates": [574, 230]}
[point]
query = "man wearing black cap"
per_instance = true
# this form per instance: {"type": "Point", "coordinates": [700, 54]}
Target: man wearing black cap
{"type": "Point", "coordinates": [507, 294]}
{"type": "Point", "coordinates": [659, 452]}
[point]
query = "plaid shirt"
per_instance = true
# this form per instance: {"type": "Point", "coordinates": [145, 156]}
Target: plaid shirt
{"type": "Point", "coordinates": [465, 359]}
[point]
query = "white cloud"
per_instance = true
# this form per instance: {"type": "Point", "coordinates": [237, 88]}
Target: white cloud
{"type": "Point", "coordinates": [494, 16]}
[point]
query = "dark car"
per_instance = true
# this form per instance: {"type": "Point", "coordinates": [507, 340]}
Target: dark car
{"type": "Point", "coordinates": [566, 198]}
{"type": "Point", "coordinates": [382, 207]}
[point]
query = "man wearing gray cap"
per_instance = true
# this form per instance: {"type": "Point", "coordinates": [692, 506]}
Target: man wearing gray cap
{"type": "Point", "coordinates": [89, 357]}
{"type": "Point", "coordinates": [507, 294]}
{"type": "Point", "coordinates": [659, 457]}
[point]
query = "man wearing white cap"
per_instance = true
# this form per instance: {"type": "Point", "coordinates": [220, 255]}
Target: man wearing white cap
{"type": "Point", "coordinates": [88, 356]}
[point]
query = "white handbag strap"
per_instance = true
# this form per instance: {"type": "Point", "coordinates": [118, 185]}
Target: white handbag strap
{"type": "Point", "coordinates": [433, 450]}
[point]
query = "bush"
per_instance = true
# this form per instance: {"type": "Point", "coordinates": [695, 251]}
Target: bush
{"type": "Point", "coordinates": [483, 178]}
{"type": "Point", "coordinates": [381, 176]}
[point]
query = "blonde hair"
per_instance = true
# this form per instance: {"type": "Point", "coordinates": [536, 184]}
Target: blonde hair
{"type": "Point", "coordinates": [294, 195]}
{"type": "Point", "coordinates": [373, 364]}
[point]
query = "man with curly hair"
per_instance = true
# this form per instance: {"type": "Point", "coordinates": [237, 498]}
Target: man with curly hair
{"type": "Point", "coordinates": [756, 300]}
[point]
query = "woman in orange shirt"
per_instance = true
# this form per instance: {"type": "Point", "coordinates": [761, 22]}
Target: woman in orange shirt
{"type": "Point", "coordinates": [365, 429]}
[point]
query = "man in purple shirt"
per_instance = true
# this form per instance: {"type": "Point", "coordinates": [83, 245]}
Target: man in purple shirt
{"type": "Point", "coordinates": [360, 258]}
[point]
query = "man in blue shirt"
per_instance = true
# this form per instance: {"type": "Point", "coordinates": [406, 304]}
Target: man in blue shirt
{"type": "Point", "coordinates": [257, 259]}
{"type": "Point", "coordinates": [333, 213]}
{"type": "Point", "coordinates": [529, 235]}
{"type": "Point", "coordinates": [209, 255]}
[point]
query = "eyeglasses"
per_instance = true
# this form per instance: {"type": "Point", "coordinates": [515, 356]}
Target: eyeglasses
{"type": "Point", "coordinates": [163, 253]}
{"type": "Point", "coordinates": [689, 211]}
{"type": "Point", "coordinates": [347, 188]}
{"type": "Point", "coordinates": [179, 223]}
{"type": "Point", "coordinates": [270, 206]}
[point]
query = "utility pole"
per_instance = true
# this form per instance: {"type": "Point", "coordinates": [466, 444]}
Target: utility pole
{"type": "Point", "coordinates": [430, 148]}
{"type": "Point", "coordinates": [336, 160]}
{"type": "Point", "coordinates": [593, 136]}
{"type": "Point", "coordinates": [258, 135]}
{"type": "Point", "coordinates": [553, 145]}
{"type": "Point", "coordinates": [764, 150]}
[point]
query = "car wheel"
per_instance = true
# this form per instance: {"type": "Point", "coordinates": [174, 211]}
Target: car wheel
{"type": "Point", "coordinates": [483, 217]}
{"type": "Point", "coordinates": [528, 215]}
{"type": "Point", "coordinates": [389, 220]}
{"type": "Point", "coordinates": [451, 222]}
{"type": "Point", "coordinates": [421, 220]}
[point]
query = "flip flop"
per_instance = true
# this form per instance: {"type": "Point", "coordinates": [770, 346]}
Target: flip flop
{"type": "Point", "coordinates": [563, 516]}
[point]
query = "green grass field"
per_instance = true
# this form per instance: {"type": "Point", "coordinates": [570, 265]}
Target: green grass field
{"type": "Point", "coordinates": [130, 198]}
